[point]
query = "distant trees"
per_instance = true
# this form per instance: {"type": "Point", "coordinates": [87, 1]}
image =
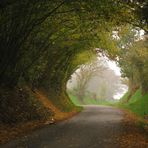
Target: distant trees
{"type": "Point", "coordinates": [101, 86]}
{"type": "Point", "coordinates": [83, 75]}
{"type": "Point", "coordinates": [102, 92]}
{"type": "Point", "coordinates": [108, 86]}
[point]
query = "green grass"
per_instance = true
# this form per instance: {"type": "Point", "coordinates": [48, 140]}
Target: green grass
{"type": "Point", "coordinates": [74, 99]}
{"type": "Point", "coordinates": [89, 101]}
{"type": "Point", "coordinates": [138, 103]}
{"type": "Point", "coordinates": [86, 100]}
{"type": "Point", "coordinates": [124, 98]}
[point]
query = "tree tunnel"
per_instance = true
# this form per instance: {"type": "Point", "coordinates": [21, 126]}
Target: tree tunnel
{"type": "Point", "coordinates": [43, 42]}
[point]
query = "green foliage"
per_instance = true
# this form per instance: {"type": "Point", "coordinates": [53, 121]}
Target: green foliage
{"type": "Point", "coordinates": [138, 103]}
{"type": "Point", "coordinates": [133, 59]}
{"type": "Point", "coordinates": [83, 57]}
{"type": "Point", "coordinates": [41, 39]}
{"type": "Point", "coordinates": [32, 29]}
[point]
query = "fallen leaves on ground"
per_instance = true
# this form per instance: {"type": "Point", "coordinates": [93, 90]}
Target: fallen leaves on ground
{"type": "Point", "coordinates": [133, 135]}
{"type": "Point", "coordinates": [8, 132]}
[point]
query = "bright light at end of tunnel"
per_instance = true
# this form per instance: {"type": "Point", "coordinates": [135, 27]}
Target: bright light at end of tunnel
{"type": "Point", "coordinates": [111, 64]}
{"type": "Point", "coordinates": [114, 67]}
{"type": "Point", "coordinates": [118, 96]}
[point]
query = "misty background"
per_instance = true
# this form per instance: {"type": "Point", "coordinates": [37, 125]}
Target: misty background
{"type": "Point", "coordinates": [105, 84]}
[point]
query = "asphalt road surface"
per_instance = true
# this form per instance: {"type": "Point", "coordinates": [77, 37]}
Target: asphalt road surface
{"type": "Point", "coordinates": [94, 127]}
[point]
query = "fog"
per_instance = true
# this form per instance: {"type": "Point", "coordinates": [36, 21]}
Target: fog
{"type": "Point", "coordinates": [108, 85]}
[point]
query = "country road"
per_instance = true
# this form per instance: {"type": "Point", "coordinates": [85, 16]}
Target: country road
{"type": "Point", "coordinates": [94, 127]}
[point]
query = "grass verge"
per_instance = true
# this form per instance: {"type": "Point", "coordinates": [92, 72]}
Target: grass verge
{"type": "Point", "coordinates": [137, 106]}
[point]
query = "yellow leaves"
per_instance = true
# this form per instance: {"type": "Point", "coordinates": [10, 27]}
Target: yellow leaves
{"type": "Point", "coordinates": [124, 30]}
{"type": "Point", "coordinates": [132, 135]}
{"type": "Point", "coordinates": [107, 43]}
{"type": "Point", "coordinates": [76, 36]}
{"type": "Point", "coordinates": [83, 57]}
{"type": "Point", "coordinates": [141, 49]}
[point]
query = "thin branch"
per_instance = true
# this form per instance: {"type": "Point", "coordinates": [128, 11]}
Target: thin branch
{"type": "Point", "coordinates": [41, 20]}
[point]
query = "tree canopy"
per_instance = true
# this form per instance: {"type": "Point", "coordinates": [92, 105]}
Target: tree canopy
{"type": "Point", "coordinates": [43, 42]}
